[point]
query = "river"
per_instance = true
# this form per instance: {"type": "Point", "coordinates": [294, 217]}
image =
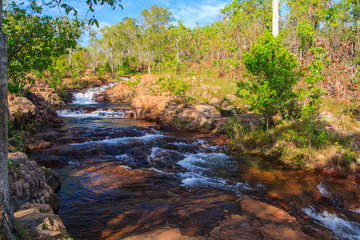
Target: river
{"type": "Point", "coordinates": [122, 176]}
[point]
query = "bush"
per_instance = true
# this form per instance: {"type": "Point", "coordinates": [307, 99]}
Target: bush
{"type": "Point", "coordinates": [270, 69]}
{"type": "Point", "coordinates": [175, 86]}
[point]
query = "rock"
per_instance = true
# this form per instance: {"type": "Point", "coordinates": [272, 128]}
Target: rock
{"type": "Point", "coordinates": [264, 212]}
{"type": "Point", "coordinates": [247, 120]}
{"type": "Point", "coordinates": [326, 117]}
{"type": "Point", "coordinates": [49, 94]}
{"type": "Point", "coordinates": [35, 144]}
{"type": "Point", "coordinates": [31, 110]}
{"type": "Point", "coordinates": [120, 92]}
{"type": "Point", "coordinates": [189, 117]}
{"type": "Point", "coordinates": [282, 232]}
{"type": "Point", "coordinates": [40, 218]}
{"type": "Point", "coordinates": [148, 107]}
{"type": "Point", "coordinates": [21, 110]}
{"type": "Point", "coordinates": [232, 228]}
{"type": "Point", "coordinates": [230, 97]}
{"type": "Point", "coordinates": [215, 101]}
{"type": "Point", "coordinates": [31, 183]}
{"type": "Point", "coordinates": [101, 97]}
{"type": "Point", "coordinates": [141, 91]}
{"type": "Point", "coordinates": [259, 221]}
{"type": "Point", "coordinates": [165, 233]}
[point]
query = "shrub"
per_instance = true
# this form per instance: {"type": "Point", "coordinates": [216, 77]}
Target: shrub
{"type": "Point", "coordinates": [270, 69]}
{"type": "Point", "coordinates": [176, 86]}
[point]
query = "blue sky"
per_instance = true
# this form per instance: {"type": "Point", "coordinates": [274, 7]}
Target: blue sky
{"type": "Point", "coordinates": [188, 11]}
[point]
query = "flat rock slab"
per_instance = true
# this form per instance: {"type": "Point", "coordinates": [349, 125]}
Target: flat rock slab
{"type": "Point", "coordinates": [165, 233]}
{"type": "Point", "coordinates": [41, 220]}
{"type": "Point", "coordinates": [265, 212]}
{"type": "Point", "coordinates": [234, 227]}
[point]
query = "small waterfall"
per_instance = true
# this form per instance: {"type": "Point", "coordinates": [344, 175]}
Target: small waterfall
{"type": "Point", "coordinates": [87, 97]}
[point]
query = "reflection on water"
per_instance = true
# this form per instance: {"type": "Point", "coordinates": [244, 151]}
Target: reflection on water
{"type": "Point", "coordinates": [122, 176]}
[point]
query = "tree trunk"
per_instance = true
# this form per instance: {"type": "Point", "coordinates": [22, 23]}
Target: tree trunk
{"type": "Point", "coordinates": [6, 215]}
{"type": "Point", "coordinates": [275, 20]}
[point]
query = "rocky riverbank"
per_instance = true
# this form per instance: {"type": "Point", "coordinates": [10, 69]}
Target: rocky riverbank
{"type": "Point", "coordinates": [33, 194]}
{"type": "Point", "coordinates": [151, 167]}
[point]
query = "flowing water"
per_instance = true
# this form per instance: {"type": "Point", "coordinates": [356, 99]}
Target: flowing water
{"type": "Point", "coordinates": [122, 176]}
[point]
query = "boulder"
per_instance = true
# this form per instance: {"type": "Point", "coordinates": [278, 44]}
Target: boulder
{"type": "Point", "coordinates": [49, 94]}
{"type": "Point", "coordinates": [21, 110]}
{"type": "Point", "coordinates": [248, 120]}
{"type": "Point", "coordinates": [32, 110]}
{"type": "Point", "coordinates": [230, 97]}
{"type": "Point", "coordinates": [259, 221]}
{"type": "Point", "coordinates": [189, 117]}
{"type": "Point", "coordinates": [31, 183]}
{"type": "Point", "coordinates": [165, 233]}
{"type": "Point", "coordinates": [120, 92]}
{"type": "Point", "coordinates": [101, 97]}
{"type": "Point", "coordinates": [215, 101]}
{"type": "Point", "coordinates": [264, 212]}
{"type": "Point", "coordinates": [40, 221]}
{"type": "Point", "coordinates": [148, 107]}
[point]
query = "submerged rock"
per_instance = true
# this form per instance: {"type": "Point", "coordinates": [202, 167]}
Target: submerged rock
{"type": "Point", "coordinates": [165, 233]}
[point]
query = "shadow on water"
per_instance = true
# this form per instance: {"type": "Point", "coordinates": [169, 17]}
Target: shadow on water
{"type": "Point", "coordinates": [121, 177]}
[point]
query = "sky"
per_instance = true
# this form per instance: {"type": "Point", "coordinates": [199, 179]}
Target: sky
{"type": "Point", "coordinates": [188, 11]}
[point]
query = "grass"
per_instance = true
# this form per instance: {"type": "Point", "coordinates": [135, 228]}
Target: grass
{"type": "Point", "coordinates": [285, 142]}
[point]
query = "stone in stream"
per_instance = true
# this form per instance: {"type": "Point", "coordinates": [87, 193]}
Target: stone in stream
{"type": "Point", "coordinates": [165, 233]}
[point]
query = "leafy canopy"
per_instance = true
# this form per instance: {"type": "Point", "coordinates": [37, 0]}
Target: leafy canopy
{"type": "Point", "coordinates": [271, 76]}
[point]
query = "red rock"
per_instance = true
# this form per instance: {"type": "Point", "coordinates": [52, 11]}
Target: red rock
{"type": "Point", "coordinates": [265, 212]}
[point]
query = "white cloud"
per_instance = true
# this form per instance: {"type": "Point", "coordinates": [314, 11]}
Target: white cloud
{"type": "Point", "coordinates": [204, 13]}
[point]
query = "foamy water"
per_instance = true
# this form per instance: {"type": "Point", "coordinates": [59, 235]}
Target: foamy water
{"type": "Point", "coordinates": [98, 113]}
{"type": "Point", "coordinates": [87, 97]}
{"type": "Point", "coordinates": [337, 224]}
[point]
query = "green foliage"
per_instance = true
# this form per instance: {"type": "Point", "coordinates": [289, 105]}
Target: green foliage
{"type": "Point", "coordinates": [314, 132]}
{"type": "Point", "coordinates": [34, 41]}
{"type": "Point", "coordinates": [134, 83]}
{"type": "Point", "coordinates": [175, 86]}
{"type": "Point", "coordinates": [271, 70]}
{"type": "Point", "coordinates": [306, 35]}
{"type": "Point", "coordinates": [16, 139]}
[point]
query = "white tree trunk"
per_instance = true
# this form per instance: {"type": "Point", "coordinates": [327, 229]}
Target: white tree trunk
{"type": "Point", "coordinates": [6, 215]}
{"type": "Point", "coordinates": [275, 20]}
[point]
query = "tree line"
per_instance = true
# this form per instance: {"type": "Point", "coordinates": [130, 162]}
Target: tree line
{"type": "Point", "coordinates": [157, 43]}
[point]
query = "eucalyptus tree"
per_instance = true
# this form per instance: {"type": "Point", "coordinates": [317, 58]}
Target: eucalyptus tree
{"type": "Point", "coordinates": [107, 44]}
{"type": "Point", "coordinates": [246, 20]}
{"type": "Point", "coordinates": [6, 216]}
{"type": "Point", "coordinates": [155, 23]}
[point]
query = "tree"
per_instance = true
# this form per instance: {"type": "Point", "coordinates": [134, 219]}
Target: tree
{"type": "Point", "coordinates": [271, 68]}
{"type": "Point", "coordinates": [156, 20]}
{"type": "Point", "coordinates": [275, 20]}
{"type": "Point", "coordinates": [6, 216]}
{"type": "Point", "coordinates": [50, 38]}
